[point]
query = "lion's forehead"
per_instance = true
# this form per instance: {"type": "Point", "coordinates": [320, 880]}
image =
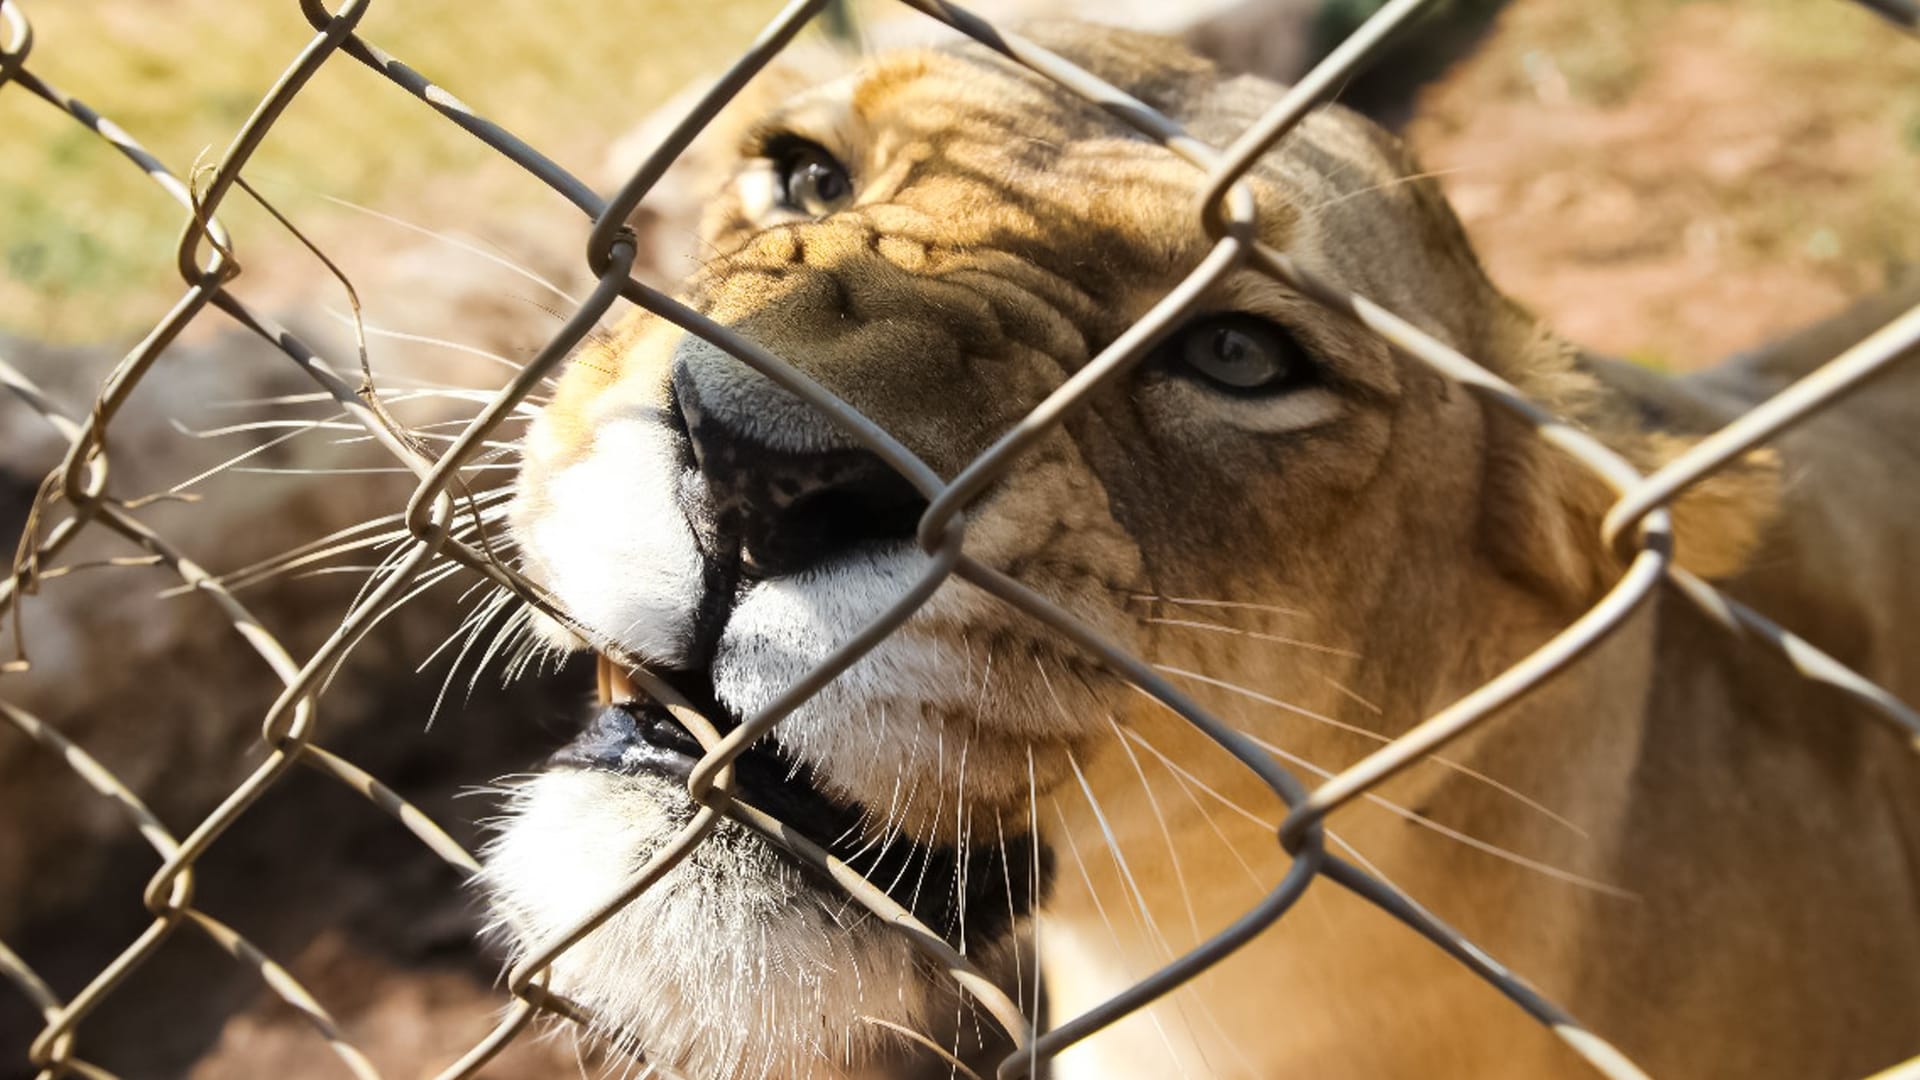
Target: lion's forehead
{"type": "Point", "coordinates": [996, 215]}
{"type": "Point", "coordinates": [963, 148]}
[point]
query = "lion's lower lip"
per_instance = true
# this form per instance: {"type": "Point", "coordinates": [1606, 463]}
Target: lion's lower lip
{"type": "Point", "coordinates": [632, 737]}
{"type": "Point", "coordinates": [994, 883]}
{"type": "Point", "coordinates": [640, 736]}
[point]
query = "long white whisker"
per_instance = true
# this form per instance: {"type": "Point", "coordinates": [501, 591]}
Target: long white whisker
{"type": "Point", "coordinates": [1443, 762]}
{"type": "Point", "coordinates": [442, 343]}
{"type": "Point", "coordinates": [1545, 869]}
{"type": "Point", "coordinates": [518, 617]}
{"type": "Point", "coordinates": [1187, 782]}
{"type": "Point", "coordinates": [1033, 905]}
{"type": "Point", "coordinates": [947, 1056]}
{"type": "Point", "coordinates": [365, 470]}
{"type": "Point", "coordinates": [234, 461]}
{"type": "Point", "coordinates": [1166, 833]}
{"type": "Point", "coordinates": [331, 424]}
{"type": "Point", "coordinates": [1474, 842]}
{"type": "Point", "coordinates": [1238, 605]}
{"type": "Point", "coordinates": [1152, 1014]}
{"type": "Point", "coordinates": [305, 554]}
{"type": "Point", "coordinates": [1382, 186]}
{"type": "Point", "coordinates": [427, 580]}
{"type": "Point", "coordinates": [1013, 913]}
{"type": "Point", "coordinates": [1351, 695]}
{"type": "Point", "coordinates": [416, 389]}
{"type": "Point", "coordinates": [1278, 639]}
{"type": "Point", "coordinates": [455, 242]}
{"type": "Point", "coordinates": [467, 623]}
{"type": "Point", "coordinates": [963, 825]}
{"type": "Point", "coordinates": [1151, 924]}
{"type": "Point", "coordinates": [487, 611]}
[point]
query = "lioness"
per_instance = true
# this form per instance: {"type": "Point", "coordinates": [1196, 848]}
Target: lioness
{"type": "Point", "coordinates": [1700, 854]}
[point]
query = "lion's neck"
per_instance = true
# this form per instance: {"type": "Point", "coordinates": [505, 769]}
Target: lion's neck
{"type": "Point", "coordinates": [1653, 828]}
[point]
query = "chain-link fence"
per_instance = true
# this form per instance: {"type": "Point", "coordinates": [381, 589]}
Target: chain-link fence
{"type": "Point", "coordinates": [79, 497]}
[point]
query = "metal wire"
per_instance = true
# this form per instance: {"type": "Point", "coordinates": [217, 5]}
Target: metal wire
{"type": "Point", "coordinates": [80, 491]}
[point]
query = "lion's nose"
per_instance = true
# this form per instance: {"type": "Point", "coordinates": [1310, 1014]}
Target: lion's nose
{"type": "Point", "coordinates": [793, 488]}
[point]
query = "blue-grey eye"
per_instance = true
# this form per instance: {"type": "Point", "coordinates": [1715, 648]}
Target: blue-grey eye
{"type": "Point", "coordinates": [1241, 353]}
{"type": "Point", "coordinates": [812, 181]}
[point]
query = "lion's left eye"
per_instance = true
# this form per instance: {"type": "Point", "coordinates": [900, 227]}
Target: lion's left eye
{"type": "Point", "coordinates": [812, 181]}
{"type": "Point", "coordinates": [1241, 353]}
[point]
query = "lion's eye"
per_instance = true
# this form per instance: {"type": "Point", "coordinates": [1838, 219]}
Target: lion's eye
{"type": "Point", "coordinates": [812, 182]}
{"type": "Point", "coordinates": [1242, 353]}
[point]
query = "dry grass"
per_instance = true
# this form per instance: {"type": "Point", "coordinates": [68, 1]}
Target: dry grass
{"type": "Point", "coordinates": [86, 242]}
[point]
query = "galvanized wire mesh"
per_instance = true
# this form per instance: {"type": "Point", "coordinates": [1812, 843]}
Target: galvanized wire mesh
{"type": "Point", "coordinates": [78, 497]}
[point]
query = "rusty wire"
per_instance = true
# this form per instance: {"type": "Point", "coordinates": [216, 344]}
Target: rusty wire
{"type": "Point", "coordinates": [79, 491]}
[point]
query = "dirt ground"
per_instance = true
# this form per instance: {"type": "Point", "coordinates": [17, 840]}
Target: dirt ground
{"type": "Point", "coordinates": [1674, 182]}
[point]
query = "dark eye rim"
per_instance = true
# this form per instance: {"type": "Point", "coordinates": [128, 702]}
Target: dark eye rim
{"type": "Point", "coordinates": [1299, 368]}
{"type": "Point", "coordinates": [789, 152]}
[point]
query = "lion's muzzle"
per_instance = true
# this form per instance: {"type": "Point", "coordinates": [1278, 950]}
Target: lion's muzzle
{"type": "Point", "coordinates": [993, 884]}
{"type": "Point", "coordinates": [785, 488]}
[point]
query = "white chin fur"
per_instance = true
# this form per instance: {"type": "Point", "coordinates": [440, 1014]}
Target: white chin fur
{"type": "Point", "coordinates": [731, 967]}
{"type": "Point", "coordinates": [954, 700]}
{"type": "Point", "coordinates": [613, 544]}
{"type": "Point", "coordinates": [878, 728]}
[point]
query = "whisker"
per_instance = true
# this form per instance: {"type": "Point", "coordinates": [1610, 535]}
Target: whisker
{"type": "Point", "coordinates": [427, 580]}
{"type": "Point", "coordinates": [1120, 859]}
{"type": "Point", "coordinates": [1179, 1001]}
{"type": "Point", "coordinates": [1474, 842]}
{"type": "Point", "coordinates": [485, 613]}
{"type": "Point", "coordinates": [331, 424]}
{"type": "Point", "coordinates": [939, 809]}
{"type": "Point", "coordinates": [1073, 847]}
{"type": "Point", "coordinates": [1033, 905]}
{"type": "Point", "coordinates": [1241, 605]}
{"type": "Point", "coordinates": [1166, 833]}
{"type": "Point", "coordinates": [437, 342]}
{"type": "Point", "coordinates": [455, 242]}
{"type": "Point", "coordinates": [1397, 181]}
{"type": "Point", "coordinates": [923, 1040]}
{"type": "Point", "coordinates": [306, 554]}
{"type": "Point", "coordinates": [416, 389]}
{"type": "Point", "coordinates": [516, 619]}
{"type": "Point", "coordinates": [465, 625]}
{"type": "Point", "coordinates": [363, 470]}
{"type": "Point", "coordinates": [233, 462]}
{"type": "Point", "coordinates": [1349, 693]}
{"type": "Point", "coordinates": [1377, 737]}
{"type": "Point", "coordinates": [1279, 639]}
{"type": "Point", "coordinates": [1013, 913]}
{"type": "Point", "coordinates": [963, 825]}
{"type": "Point", "coordinates": [1187, 783]}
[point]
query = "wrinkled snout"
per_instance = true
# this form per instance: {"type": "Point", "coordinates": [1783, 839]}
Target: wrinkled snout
{"type": "Point", "coordinates": [783, 481]}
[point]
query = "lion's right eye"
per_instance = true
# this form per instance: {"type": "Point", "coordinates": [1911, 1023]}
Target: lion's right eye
{"type": "Point", "coordinates": [812, 181]}
{"type": "Point", "coordinates": [1241, 354]}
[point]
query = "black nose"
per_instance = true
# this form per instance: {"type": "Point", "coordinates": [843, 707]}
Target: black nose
{"type": "Point", "coordinates": [783, 479]}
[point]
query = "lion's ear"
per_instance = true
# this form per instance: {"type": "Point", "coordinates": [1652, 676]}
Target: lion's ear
{"type": "Point", "coordinates": [1544, 508]}
{"type": "Point", "coordinates": [1720, 521]}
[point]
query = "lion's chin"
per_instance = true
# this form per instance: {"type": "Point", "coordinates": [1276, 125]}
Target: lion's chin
{"type": "Point", "coordinates": [735, 964]}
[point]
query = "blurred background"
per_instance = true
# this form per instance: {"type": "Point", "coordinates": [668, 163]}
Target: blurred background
{"type": "Point", "coordinates": [1668, 180]}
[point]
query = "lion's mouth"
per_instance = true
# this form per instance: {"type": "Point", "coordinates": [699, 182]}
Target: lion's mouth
{"type": "Point", "coordinates": [632, 735]}
{"type": "Point", "coordinates": [970, 894]}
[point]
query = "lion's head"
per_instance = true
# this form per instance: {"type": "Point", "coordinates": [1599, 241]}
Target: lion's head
{"type": "Point", "coordinates": [940, 239]}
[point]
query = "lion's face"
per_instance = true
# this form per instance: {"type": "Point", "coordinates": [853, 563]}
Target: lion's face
{"type": "Point", "coordinates": [941, 240]}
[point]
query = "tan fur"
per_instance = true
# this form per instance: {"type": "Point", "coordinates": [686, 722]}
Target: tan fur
{"type": "Point", "coordinates": [1419, 541]}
